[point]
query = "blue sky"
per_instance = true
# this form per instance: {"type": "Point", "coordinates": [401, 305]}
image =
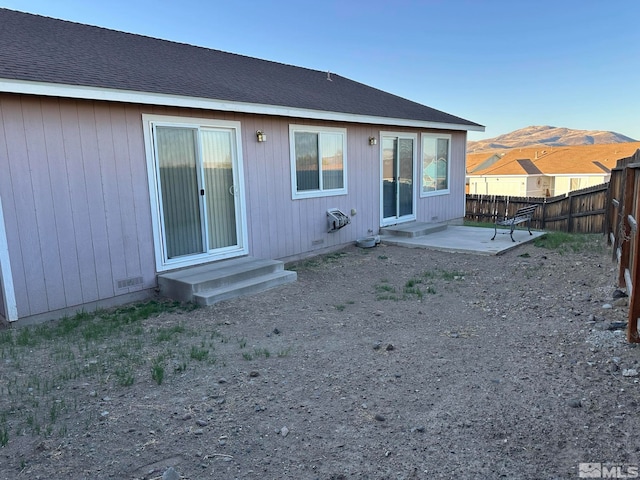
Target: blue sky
{"type": "Point", "coordinates": [506, 64]}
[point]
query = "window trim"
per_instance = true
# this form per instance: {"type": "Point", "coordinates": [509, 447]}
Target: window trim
{"type": "Point", "coordinates": [444, 191]}
{"type": "Point", "coordinates": [295, 194]}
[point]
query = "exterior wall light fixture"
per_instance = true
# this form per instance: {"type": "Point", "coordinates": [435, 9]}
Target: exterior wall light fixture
{"type": "Point", "coordinates": [373, 140]}
{"type": "Point", "coordinates": [261, 136]}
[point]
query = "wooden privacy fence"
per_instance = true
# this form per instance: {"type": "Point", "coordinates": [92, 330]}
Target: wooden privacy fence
{"type": "Point", "coordinates": [581, 211]}
{"type": "Point", "coordinates": [612, 209]}
{"type": "Point", "coordinates": [623, 209]}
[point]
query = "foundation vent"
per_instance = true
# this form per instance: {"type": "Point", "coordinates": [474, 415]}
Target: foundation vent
{"type": "Point", "coordinates": [129, 282]}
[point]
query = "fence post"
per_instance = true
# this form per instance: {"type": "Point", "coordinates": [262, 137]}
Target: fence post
{"type": "Point", "coordinates": [608, 208]}
{"type": "Point", "coordinates": [634, 300]}
{"type": "Point", "coordinates": [616, 209]}
{"type": "Point", "coordinates": [625, 229]}
{"type": "Point", "coordinates": [570, 213]}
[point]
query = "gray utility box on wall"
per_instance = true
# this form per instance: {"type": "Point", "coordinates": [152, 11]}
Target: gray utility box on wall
{"type": "Point", "coordinates": [337, 219]}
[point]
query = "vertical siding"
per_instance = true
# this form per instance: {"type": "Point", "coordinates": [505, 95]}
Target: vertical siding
{"type": "Point", "coordinates": [19, 207]}
{"type": "Point", "coordinates": [106, 210]}
{"type": "Point", "coordinates": [364, 182]}
{"type": "Point", "coordinates": [116, 166]}
{"type": "Point", "coordinates": [75, 184]}
{"type": "Point", "coordinates": [99, 264]}
{"type": "Point", "coordinates": [77, 202]}
{"type": "Point", "coordinates": [52, 288]}
{"type": "Point", "coordinates": [8, 309]}
{"type": "Point", "coordinates": [126, 192]}
{"type": "Point", "coordinates": [281, 227]}
{"type": "Point", "coordinates": [77, 207]}
{"type": "Point", "coordinates": [5, 183]}
{"type": "Point", "coordinates": [140, 236]}
{"type": "Point", "coordinates": [259, 173]}
{"type": "Point", "coordinates": [66, 241]}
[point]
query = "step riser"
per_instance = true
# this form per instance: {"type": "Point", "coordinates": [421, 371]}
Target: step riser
{"type": "Point", "coordinates": [211, 297]}
{"type": "Point", "coordinates": [184, 285]}
{"type": "Point", "coordinates": [175, 290]}
{"type": "Point", "coordinates": [199, 282]}
{"type": "Point", "coordinates": [236, 277]}
{"type": "Point", "coordinates": [410, 233]}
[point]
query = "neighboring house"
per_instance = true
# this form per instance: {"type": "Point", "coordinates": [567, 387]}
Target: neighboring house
{"type": "Point", "coordinates": [543, 171]}
{"type": "Point", "coordinates": [123, 157]}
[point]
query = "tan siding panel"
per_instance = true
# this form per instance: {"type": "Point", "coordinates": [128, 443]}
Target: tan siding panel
{"type": "Point", "coordinates": [123, 160]}
{"type": "Point", "coordinates": [48, 252]}
{"type": "Point", "coordinates": [105, 209]}
{"type": "Point", "coordinates": [279, 200]}
{"type": "Point", "coordinates": [61, 203]}
{"type": "Point", "coordinates": [140, 194]}
{"type": "Point", "coordinates": [79, 201]}
{"type": "Point", "coordinates": [5, 185]}
{"type": "Point", "coordinates": [25, 206]}
{"type": "Point", "coordinates": [456, 204]}
{"type": "Point", "coordinates": [364, 180]}
{"type": "Point", "coordinates": [257, 179]}
{"type": "Point", "coordinates": [111, 143]}
{"type": "Point", "coordinates": [14, 185]}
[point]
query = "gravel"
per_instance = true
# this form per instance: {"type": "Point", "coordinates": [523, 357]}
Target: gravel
{"type": "Point", "coordinates": [381, 363]}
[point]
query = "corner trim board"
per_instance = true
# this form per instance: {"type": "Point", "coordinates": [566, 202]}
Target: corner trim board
{"type": "Point", "coordinates": [8, 292]}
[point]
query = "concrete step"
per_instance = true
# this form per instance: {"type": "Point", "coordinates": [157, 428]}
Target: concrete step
{"type": "Point", "coordinates": [413, 229]}
{"type": "Point", "coordinates": [246, 287]}
{"type": "Point", "coordinates": [245, 275]}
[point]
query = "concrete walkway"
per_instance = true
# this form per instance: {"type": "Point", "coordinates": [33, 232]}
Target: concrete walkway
{"type": "Point", "coordinates": [476, 240]}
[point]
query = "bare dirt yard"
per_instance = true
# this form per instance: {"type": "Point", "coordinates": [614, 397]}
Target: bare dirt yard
{"type": "Point", "coordinates": [381, 363]}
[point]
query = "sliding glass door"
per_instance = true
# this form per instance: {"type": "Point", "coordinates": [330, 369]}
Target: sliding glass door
{"type": "Point", "coordinates": [179, 187]}
{"type": "Point", "coordinates": [397, 169]}
{"type": "Point", "coordinates": [197, 186]}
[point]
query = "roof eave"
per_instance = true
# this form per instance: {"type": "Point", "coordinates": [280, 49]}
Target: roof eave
{"type": "Point", "coordinates": [129, 96]}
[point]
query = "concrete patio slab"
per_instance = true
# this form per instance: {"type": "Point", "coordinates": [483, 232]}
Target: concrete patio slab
{"type": "Point", "coordinates": [475, 240]}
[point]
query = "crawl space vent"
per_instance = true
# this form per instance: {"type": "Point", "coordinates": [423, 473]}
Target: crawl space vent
{"type": "Point", "coordinates": [129, 282]}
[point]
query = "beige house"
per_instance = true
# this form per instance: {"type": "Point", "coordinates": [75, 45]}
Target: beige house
{"type": "Point", "coordinates": [543, 171]}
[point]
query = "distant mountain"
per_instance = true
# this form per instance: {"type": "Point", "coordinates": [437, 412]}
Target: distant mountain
{"type": "Point", "coordinates": [546, 135]}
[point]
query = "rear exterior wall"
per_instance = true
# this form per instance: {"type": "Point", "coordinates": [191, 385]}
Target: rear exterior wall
{"type": "Point", "coordinates": [75, 196]}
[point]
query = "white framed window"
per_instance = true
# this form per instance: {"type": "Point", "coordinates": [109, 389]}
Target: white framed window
{"type": "Point", "coordinates": [436, 164]}
{"type": "Point", "coordinates": [318, 161]}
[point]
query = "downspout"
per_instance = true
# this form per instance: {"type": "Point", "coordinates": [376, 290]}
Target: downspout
{"type": "Point", "coordinates": [6, 280]}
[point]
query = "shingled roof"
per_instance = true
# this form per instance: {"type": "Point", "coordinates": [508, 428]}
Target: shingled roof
{"type": "Point", "coordinates": [547, 160]}
{"type": "Point", "coordinates": [49, 51]}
